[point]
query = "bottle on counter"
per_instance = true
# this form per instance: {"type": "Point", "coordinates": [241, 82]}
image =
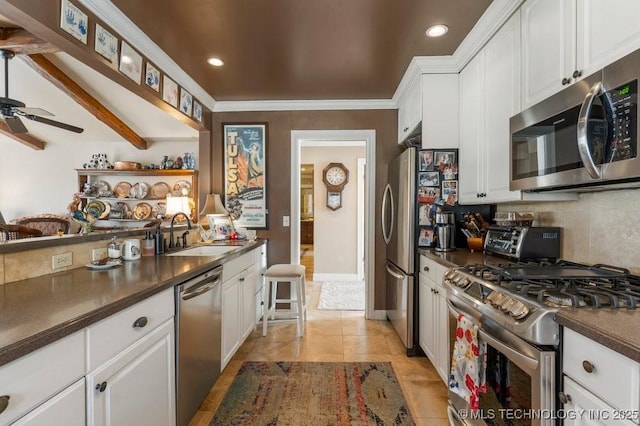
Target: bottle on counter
{"type": "Point", "coordinates": [159, 241]}
{"type": "Point", "coordinates": [148, 245]}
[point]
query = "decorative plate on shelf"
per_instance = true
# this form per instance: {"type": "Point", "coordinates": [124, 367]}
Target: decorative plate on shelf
{"type": "Point", "coordinates": [107, 210]}
{"type": "Point", "coordinates": [142, 211]}
{"type": "Point", "coordinates": [159, 210]}
{"type": "Point", "coordinates": [139, 190]}
{"type": "Point", "coordinates": [121, 190]}
{"type": "Point", "coordinates": [119, 210]}
{"type": "Point", "coordinates": [160, 190]}
{"type": "Point", "coordinates": [181, 188]}
{"type": "Point", "coordinates": [95, 208]}
{"type": "Point", "coordinates": [103, 187]}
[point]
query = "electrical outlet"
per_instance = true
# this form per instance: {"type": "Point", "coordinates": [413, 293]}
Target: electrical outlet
{"type": "Point", "coordinates": [98, 254]}
{"type": "Point", "coordinates": [61, 260]}
{"type": "Point", "coordinates": [285, 221]}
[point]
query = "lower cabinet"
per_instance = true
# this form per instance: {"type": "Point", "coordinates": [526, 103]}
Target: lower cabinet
{"type": "Point", "coordinates": [600, 381]}
{"type": "Point", "coordinates": [242, 284]}
{"type": "Point", "coordinates": [66, 408]}
{"type": "Point", "coordinates": [433, 324]}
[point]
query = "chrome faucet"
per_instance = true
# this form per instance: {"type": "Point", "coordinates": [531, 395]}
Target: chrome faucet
{"type": "Point", "coordinates": [184, 239]}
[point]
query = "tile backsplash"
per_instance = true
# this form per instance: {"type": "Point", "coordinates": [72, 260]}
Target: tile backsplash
{"type": "Point", "coordinates": [599, 227]}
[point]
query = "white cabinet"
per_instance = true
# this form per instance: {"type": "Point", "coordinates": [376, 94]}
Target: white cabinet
{"type": "Point", "coordinates": [131, 357]}
{"type": "Point", "coordinates": [489, 96]}
{"type": "Point", "coordinates": [136, 387]}
{"type": "Point", "coordinates": [240, 283]}
{"type": "Point", "coordinates": [439, 111]}
{"type": "Point", "coordinates": [35, 383]}
{"type": "Point", "coordinates": [409, 109]}
{"type": "Point", "coordinates": [563, 41]}
{"type": "Point", "coordinates": [433, 335]}
{"type": "Point", "coordinates": [65, 409]}
{"type": "Point", "coordinates": [599, 379]}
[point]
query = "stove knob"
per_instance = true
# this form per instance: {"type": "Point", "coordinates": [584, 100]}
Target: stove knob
{"type": "Point", "coordinates": [519, 310]}
{"type": "Point", "coordinates": [506, 305]}
{"type": "Point", "coordinates": [464, 282]}
{"type": "Point", "coordinates": [497, 299]}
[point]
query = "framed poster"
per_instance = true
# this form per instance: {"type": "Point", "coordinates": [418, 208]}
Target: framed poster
{"type": "Point", "coordinates": [152, 77]}
{"type": "Point", "coordinates": [186, 102]}
{"type": "Point", "coordinates": [244, 174]}
{"type": "Point", "coordinates": [169, 91]}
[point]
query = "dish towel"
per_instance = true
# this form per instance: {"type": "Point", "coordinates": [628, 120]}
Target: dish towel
{"type": "Point", "coordinates": [468, 363]}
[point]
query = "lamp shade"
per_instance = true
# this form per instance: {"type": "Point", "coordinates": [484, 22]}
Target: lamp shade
{"type": "Point", "coordinates": [178, 205]}
{"type": "Point", "coordinates": [213, 205]}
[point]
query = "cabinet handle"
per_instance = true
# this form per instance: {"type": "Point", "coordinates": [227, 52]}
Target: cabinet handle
{"type": "Point", "coordinates": [588, 367]}
{"type": "Point", "coordinates": [405, 129]}
{"type": "Point", "coordinates": [140, 322]}
{"type": "Point", "coordinates": [426, 269]}
{"type": "Point", "coordinates": [101, 386]}
{"type": "Point", "coordinates": [242, 279]}
{"type": "Point", "coordinates": [566, 81]}
{"type": "Point", "coordinates": [565, 398]}
{"type": "Point", "coordinates": [577, 73]}
{"type": "Point", "coordinates": [4, 403]}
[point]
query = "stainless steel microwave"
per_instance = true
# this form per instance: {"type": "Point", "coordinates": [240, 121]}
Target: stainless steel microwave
{"type": "Point", "coordinates": [583, 138]}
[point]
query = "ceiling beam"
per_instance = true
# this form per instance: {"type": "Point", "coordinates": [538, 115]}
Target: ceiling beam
{"type": "Point", "coordinates": [23, 138]}
{"type": "Point", "coordinates": [20, 41]}
{"type": "Point", "coordinates": [53, 74]}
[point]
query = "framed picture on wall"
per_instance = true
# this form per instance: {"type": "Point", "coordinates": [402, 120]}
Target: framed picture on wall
{"type": "Point", "coordinates": [244, 178]}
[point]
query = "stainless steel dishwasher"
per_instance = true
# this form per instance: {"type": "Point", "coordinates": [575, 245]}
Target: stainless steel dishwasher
{"type": "Point", "coordinates": [198, 341]}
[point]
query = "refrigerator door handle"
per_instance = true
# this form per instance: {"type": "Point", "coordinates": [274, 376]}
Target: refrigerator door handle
{"type": "Point", "coordinates": [394, 274]}
{"type": "Point", "coordinates": [386, 198]}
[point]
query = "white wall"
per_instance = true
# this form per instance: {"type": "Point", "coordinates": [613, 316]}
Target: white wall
{"type": "Point", "coordinates": [33, 182]}
{"type": "Point", "coordinates": [335, 236]}
{"type": "Point", "coordinates": [599, 227]}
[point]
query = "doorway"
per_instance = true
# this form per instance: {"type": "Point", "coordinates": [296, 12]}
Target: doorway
{"type": "Point", "coordinates": [339, 138]}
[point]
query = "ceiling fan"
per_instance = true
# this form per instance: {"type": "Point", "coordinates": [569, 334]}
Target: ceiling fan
{"type": "Point", "coordinates": [10, 109]}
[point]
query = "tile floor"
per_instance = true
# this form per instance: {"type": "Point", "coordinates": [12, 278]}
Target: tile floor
{"type": "Point", "coordinates": [338, 336]}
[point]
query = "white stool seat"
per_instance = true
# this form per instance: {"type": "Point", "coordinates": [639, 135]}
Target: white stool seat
{"type": "Point", "coordinates": [294, 275]}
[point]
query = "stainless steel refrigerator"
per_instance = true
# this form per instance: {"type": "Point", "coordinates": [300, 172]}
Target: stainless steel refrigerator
{"type": "Point", "coordinates": [398, 230]}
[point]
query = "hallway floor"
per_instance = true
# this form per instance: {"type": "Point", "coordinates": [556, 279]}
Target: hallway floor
{"type": "Point", "coordinates": [338, 336]}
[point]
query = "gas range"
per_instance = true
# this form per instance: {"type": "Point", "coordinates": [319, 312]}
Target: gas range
{"type": "Point", "coordinates": [523, 296]}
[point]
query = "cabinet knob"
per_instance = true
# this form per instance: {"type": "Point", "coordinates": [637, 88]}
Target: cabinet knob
{"type": "Point", "coordinates": [566, 81]}
{"type": "Point", "coordinates": [426, 269]}
{"type": "Point", "coordinates": [242, 279]}
{"type": "Point", "coordinates": [588, 367]}
{"type": "Point", "coordinates": [564, 398]}
{"type": "Point", "coordinates": [577, 73]}
{"type": "Point", "coordinates": [101, 386]}
{"type": "Point", "coordinates": [405, 129]}
{"type": "Point", "coordinates": [4, 403]}
{"type": "Point", "coordinates": [140, 322]}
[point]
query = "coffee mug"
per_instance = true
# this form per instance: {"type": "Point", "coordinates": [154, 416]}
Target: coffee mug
{"type": "Point", "coordinates": [131, 249]}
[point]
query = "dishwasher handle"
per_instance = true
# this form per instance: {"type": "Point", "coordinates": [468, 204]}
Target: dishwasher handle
{"type": "Point", "coordinates": [202, 285]}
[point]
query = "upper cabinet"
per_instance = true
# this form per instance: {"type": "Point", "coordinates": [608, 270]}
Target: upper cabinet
{"type": "Point", "coordinates": [439, 111]}
{"type": "Point", "coordinates": [410, 109]}
{"type": "Point", "coordinates": [489, 96]}
{"type": "Point", "coordinates": [431, 99]}
{"type": "Point", "coordinates": [564, 41]}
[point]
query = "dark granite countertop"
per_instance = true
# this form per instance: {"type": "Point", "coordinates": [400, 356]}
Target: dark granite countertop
{"type": "Point", "coordinates": [617, 329]}
{"type": "Point", "coordinates": [41, 310]}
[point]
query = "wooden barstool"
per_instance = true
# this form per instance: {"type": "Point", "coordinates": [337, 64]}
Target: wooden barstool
{"type": "Point", "coordinates": [294, 275]}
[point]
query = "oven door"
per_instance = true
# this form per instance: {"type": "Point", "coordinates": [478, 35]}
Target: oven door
{"type": "Point", "coordinates": [520, 379]}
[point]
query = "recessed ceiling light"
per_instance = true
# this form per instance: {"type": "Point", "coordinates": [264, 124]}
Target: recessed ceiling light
{"type": "Point", "coordinates": [216, 62]}
{"type": "Point", "coordinates": [437, 30]}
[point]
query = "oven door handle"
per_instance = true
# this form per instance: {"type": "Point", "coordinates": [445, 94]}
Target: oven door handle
{"type": "Point", "coordinates": [583, 128]}
{"type": "Point", "coordinates": [517, 357]}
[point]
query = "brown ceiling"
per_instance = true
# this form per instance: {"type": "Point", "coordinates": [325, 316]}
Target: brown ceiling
{"type": "Point", "coordinates": [301, 49]}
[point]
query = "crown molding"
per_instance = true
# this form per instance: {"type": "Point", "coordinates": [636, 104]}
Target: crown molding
{"type": "Point", "coordinates": [304, 105]}
{"type": "Point", "coordinates": [133, 35]}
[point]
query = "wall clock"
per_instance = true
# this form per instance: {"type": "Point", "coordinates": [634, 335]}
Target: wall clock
{"type": "Point", "coordinates": [335, 176]}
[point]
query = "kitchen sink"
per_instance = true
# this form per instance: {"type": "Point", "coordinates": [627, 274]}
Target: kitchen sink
{"type": "Point", "coordinates": [204, 251]}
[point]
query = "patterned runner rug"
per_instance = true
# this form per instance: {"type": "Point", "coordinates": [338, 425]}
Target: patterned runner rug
{"type": "Point", "coordinates": [342, 295]}
{"type": "Point", "coordinates": [314, 393]}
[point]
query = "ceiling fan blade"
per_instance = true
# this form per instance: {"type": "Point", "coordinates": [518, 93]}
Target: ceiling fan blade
{"type": "Point", "coordinates": [33, 111]}
{"type": "Point", "coordinates": [54, 123]}
{"type": "Point", "coordinates": [15, 124]}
